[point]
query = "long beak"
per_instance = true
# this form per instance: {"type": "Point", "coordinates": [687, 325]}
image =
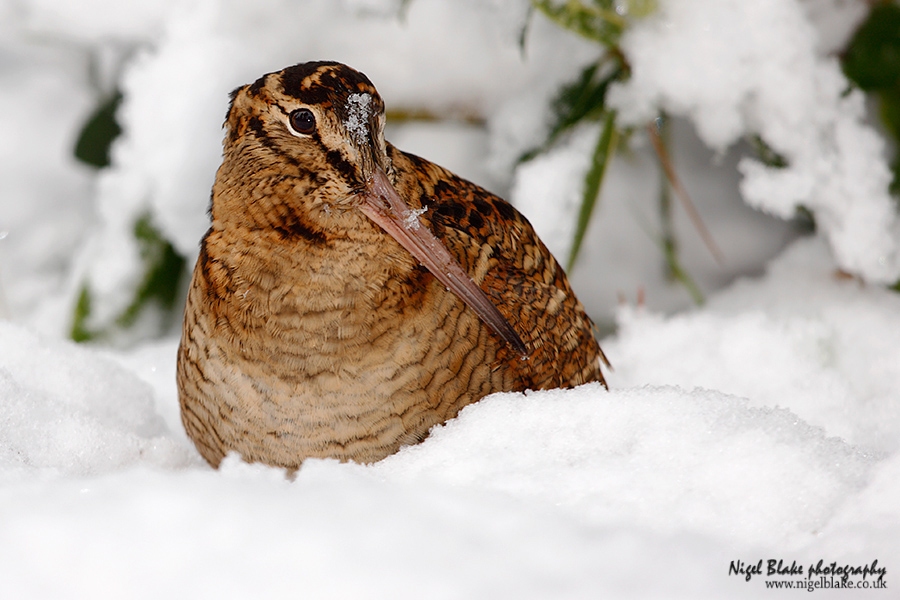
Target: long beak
{"type": "Point", "coordinates": [383, 205]}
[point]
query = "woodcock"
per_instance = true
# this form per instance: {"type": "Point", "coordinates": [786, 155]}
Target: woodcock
{"type": "Point", "coordinates": [349, 296]}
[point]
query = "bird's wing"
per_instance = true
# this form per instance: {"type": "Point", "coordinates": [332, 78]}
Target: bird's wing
{"type": "Point", "coordinates": [500, 250]}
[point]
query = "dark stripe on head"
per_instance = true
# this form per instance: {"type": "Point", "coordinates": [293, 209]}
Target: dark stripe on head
{"type": "Point", "coordinates": [325, 83]}
{"type": "Point", "coordinates": [293, 79]}
{"type": "Point", "coordinates": [254, 88]}
{"type": "Point", "coordinates": [256, 126]}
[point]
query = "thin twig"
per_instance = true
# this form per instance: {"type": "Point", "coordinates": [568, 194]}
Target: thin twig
{"type": "Point", "coordinates": [666, 162]}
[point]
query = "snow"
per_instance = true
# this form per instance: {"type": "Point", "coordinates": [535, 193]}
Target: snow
{"type": "Point", "coordinates": [622, 251]}
{"type": "Point", "coordinates": [411, 221]}
{"type": "Point", "coordinates": [70, 411]}
{"type": "Point", "coordinates": [358, 114]}
{"type": "Point", "coordinates": [40, 177]}
{"type": "Point", "coordinates": [585, 448]}
{"type": "Point", "coordinates": [558, 174]}
{"type": "Point", "coordinates": [764, 424]}
{"type": "Point", "coordinates": [770, 78]}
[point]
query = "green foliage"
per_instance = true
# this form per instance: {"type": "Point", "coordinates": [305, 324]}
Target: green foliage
{"type": "Point", "coordinates": [80, 331]}
{"type": "Point", "coordinates": [98, 132]}
{"type": "Point", "coordinates": [593, 181]}
{"type": "Point", "coordinates": [163, 271]}
{"type": "Point", "coordinates": [163, 266]}
{"type": "Point", "coordinates": [669, 242]}
{"type": "Point", "coordinates": [598, 21]}
{"type": "Point", "coordinates": [872, 61]}
{"type": "Point", "coordinates": [584, 100]}
{"type": "Point", "coordinates": [766, 154]}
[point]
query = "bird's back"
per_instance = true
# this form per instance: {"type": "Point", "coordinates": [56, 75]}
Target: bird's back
{"type": "Point", "coordinates": [499, 248]}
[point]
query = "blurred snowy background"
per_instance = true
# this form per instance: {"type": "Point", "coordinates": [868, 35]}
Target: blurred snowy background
{"type": "Point", "coordinates": [764, 423]}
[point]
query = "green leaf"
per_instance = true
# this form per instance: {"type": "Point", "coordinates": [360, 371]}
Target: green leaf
{"type": "Point", "coordinates": [98, 132]}
{"type": "Point", "coordinates": [523, 32]}
{"type": "Point", "coordinates": [593, 181]}
{"type": "Point", "coordinates": [163, 272]}
{"type": "Point", "coordinates": [804, 221]}
{"type": "Point", "coordinates": [641, 8]}
{"type": "Point", "coordinates": [80, 332]}
{"type": "Point", "coordinates": [582, 100]}
{"type": "Point", "coordinates": [585, 99]}
{"type": "Point", "coordinates": [889, 110]}
{"type": "Point", "coordinates": [872, 59]}
{"type": "Point", "coordinates": [599, 22]}
{"type": "Point", "coordinates": [163, 268]}
{"type": "Point", "coordinates": [679, 274]}
{"type": "Point", "coordinates": [766, 154]}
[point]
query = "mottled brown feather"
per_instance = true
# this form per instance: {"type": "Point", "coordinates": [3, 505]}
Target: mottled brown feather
{"type": "Point", "coordinates": [310, 332]}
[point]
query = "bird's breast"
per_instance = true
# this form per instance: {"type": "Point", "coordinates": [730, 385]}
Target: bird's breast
{"type": "Point", "coordinates": [316, 349]}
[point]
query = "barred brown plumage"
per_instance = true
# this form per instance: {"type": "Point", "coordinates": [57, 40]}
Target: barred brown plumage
{"type": "Point", "coordinates": [349, 296]}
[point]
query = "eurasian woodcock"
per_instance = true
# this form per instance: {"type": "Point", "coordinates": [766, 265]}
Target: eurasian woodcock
{"type": "Point", "coordinates": [349, 296]}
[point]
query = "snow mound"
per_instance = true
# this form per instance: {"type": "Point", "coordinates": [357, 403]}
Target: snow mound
{"type": "Point", "coordinates": [562, 493]}
{"type": "Point", "coordinates": [67, 410]}
{"type": "Point", "coordinates": [334, 532]}
{"type": "Point", "coordinates": [663, 458]}
{"type": "Point", "coordinates": [800, 339]}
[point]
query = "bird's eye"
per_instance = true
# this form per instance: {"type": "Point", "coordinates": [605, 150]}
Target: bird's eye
{"type": "Point", "coordinates": [303, 121]}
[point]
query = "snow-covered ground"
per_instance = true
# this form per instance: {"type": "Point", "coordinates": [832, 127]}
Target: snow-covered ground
{"type": "Point", "coordinates": [763, 425]}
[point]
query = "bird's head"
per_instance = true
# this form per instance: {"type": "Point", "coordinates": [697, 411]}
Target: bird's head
{"type": "Point", "coordinates": [305, 146]}
{"type": "Point", "coordinates": [317, 121]}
